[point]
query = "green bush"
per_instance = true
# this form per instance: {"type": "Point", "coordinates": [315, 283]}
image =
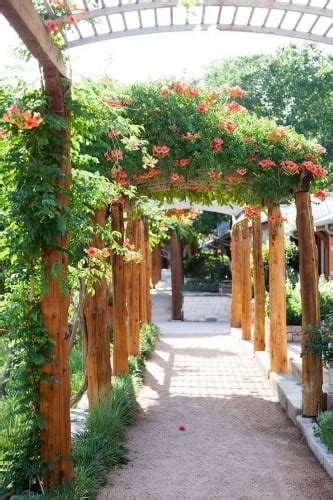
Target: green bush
{"type": "Point", "coordinates": [325, 429]}
{"type": "Point", "coordinates": [326, 297]}
{"type": "Point", "coordinates": [320, 340]}
{"type": "Point", "coordinates": [196, 285]}
{"type": "Point", "coordinates": [294, 306]}
{"type": "Point", "coordinates": [292, 261]}
{"type": "Point", "coordinates": [149, 335]}
{"type": "Point", "coordinates": [208, 265]}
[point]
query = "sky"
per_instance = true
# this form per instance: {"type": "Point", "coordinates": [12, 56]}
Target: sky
{"type": "Point", "coordinates": [147, 56]}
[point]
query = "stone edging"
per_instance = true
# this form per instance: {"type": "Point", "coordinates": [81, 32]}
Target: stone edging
{"type": "Point", "coordinates": [318, 448]}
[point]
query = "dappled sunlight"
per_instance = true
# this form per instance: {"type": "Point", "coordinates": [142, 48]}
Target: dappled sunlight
{"type": "Point", "coordinates": [210, 428]}
{"type": "Point", "coordinates": [205, 366]}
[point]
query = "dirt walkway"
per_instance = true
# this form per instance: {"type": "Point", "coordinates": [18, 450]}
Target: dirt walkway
{"type": "Point", "coordinates": [238, 443]}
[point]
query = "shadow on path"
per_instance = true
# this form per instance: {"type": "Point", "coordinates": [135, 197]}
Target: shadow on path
{"type": "Point", "coordinates": [238, 443]}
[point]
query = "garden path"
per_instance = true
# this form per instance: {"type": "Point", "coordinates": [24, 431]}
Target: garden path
{"type": "Point", "coordinates": [237, 444]}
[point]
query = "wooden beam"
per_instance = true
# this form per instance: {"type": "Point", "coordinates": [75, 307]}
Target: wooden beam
{"type": "Point", "coordinates": [23, 17]}
{"type": "Point", "coordinates": [312, 369]}
{"type": "Point", "coordinates": [95, 309]}
{"type": "Point", "coordinates": [236, 272]}
{"type": "Point", "coordinates": [176, 275]}
{"type": "Point", "coordinates": [54, 303]}
{"type": "Point", "coordinates": [120, 350]}
{"type": "Point", "coordinates": [277, 291]}
{"type": "Point", "coordinates": [259, 286]}
{"type": "Point", "coordinates": [246, 282]}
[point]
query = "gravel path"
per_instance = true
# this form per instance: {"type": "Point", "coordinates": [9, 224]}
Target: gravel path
{"type": "Point", "coordinates": [237, 444]}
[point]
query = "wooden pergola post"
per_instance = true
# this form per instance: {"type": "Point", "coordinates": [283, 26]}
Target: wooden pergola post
{"type": "Point", "coordinates": [259, 285]}
{"type": "Point", "coordinates": [236, 273]}
{"type": "Point", "coordinates": [156, 264]}
{"type": "Point", "coordinates": [312, 369]}
{"type": "Point", "coordinates": [143, 272]}
{"type": "Point", "coordinates": [176, 275]}
{"type": "Point", "coordinates": [120, 350]}
{"type": "Point", "coordinates": [54, 303]}
{"type": "Point", "coordinates": [277, 291]}
{"type": "Point", "coordinates": [133, 288]}
{"type": "Point", "coordinates": [147, 270]}
{"type": "Point", "coordinates": [95, 309]}
{"type": "Point", "coordinates": [246, 282]}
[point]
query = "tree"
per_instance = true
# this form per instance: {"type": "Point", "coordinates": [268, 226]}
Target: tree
{"type": "Point", "coordinates": [295, 85]}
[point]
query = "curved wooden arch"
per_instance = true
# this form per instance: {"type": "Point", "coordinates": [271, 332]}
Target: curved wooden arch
{"type": "Point", "coordinates": [109, 21]}
{"type": "Point", "coordinates": [232, 210]}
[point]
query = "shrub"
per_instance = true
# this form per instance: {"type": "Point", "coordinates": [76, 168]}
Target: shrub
{"type": "Point", "coordinates": [326, 297]}
{"type": "Point", "coordinates": [294, 306]}
{"type": "Point", "coordinates": [320, 340]}
{"type": "Point", "coordinates": [149, 335]}
{"type": "Point", "coordinates": [292, 261]}
{"type": "Point", "coordinates": [196, 285]}
{"type": "Point", "coordinates": [325, 429]}
{"type": "Point", "coordinates": [209, 265]}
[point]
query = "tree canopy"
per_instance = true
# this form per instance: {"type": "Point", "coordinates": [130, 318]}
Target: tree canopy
{"type": "Point", "coordinates": [295, 85]}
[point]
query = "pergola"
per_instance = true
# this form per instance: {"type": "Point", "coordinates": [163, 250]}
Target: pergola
{"type": "Point", "coordinates": [310, 21]}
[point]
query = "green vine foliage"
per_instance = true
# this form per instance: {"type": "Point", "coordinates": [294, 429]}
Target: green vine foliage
{"type": "Point", "coordinates": [31, 218]}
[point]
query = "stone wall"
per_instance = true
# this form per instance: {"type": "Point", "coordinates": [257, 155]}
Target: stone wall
{"type": "Point", "coordinates": [206, 307]}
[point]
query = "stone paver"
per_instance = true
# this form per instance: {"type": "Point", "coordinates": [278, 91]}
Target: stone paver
{"type": "Point", "coordinates": [238, 442]}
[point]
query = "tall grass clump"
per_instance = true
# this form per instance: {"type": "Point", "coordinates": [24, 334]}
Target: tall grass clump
{"type": "Point", "coordinates": [100, 446]}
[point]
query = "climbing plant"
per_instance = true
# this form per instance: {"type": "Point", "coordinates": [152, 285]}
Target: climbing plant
{"type": "Point", "coordinates": [207, 146]}
{"type": "Point", "coordinates": [168, 140]}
